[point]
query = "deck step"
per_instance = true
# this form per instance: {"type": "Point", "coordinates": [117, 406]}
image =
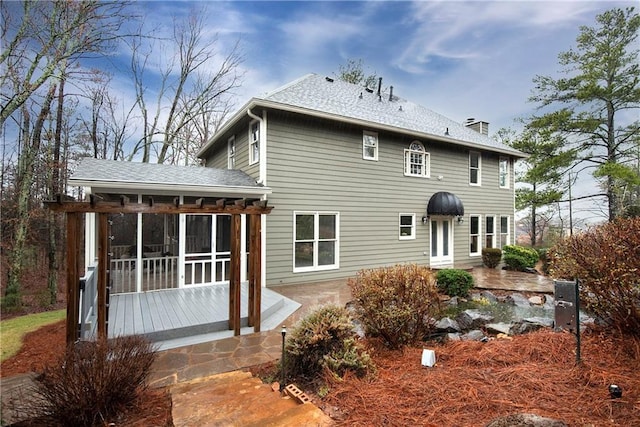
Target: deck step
{"type": "Point", "coordinates": [238, 399]}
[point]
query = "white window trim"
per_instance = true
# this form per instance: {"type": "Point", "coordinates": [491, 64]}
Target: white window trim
{"type": "Point", "coordinates": [365, 134]}
{"type": "Point", "coordinates": [507, 172]}
{"type": "Point", "coordinates": [316, 226]}
{"type": "Point", "coordinates": [231, 153]}
{"type": "Point", "coordinates": [426, 170]}
{"type": "Point", "coordinates": [412, 236]}
{"type": "Point", "coordinates": [479, 235]}
{"type": "Point", "coordinates": [479, 183]}
{"type": "Point", "coordinates": [252, 160]}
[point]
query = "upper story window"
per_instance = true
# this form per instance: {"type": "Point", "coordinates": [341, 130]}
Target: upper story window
{"type": "Point", "coordinates": [475, 168]}
{"type": "Point", "coordinates": [416, 160]}
{"type": "Point", "coordinates": [474, 235]}
{"type": "Point", "coordinates": [254, 142]}
{"type": "Point", "coordinates": [369, 145]}
{"type": "Point", "coordinates": [231, 153]}
{"type": "Point", "coordinates": [407, 226]}
{"type": "Point", "coordinates": [504, 172]}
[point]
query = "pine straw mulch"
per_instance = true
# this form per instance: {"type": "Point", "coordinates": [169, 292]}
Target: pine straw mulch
{"type": "Point", "coordinates": [474, 383]}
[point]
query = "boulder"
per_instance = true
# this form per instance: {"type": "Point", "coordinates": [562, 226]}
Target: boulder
{"type": "Point", "coordinates": [518, 299]}
{"type": "Point", "coordinates": [475, 335]}
{"type": "Point", "coordinates": [489, 296]}
{"type": "Point", "coordinates": [473, 319]}
{"type": "Point", "coordinates": [536, 300]}
{"type": "Point", "coordinates": [447, 324]}
{"type": "Point", "coordinates": [453, 337]}
{"type": "Point", "coordinates": [530, 324]}
{"type": "Point", "coordinates": [498, 328]}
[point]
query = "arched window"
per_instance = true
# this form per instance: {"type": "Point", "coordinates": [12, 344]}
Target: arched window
{"type": "Point", "coordinates": [416, 160]}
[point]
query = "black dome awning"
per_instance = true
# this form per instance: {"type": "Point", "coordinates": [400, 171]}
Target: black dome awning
{"type": "Point", "coordinates": [445, 203]}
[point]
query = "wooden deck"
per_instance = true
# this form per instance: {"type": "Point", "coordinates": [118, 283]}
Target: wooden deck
{"type": "Point", "coordinates": [177, 317]}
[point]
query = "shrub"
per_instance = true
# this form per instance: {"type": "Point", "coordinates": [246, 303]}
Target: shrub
{"type": "Point", "coordinates": [93, 381]}
{"type": "Point", "coordinates": [325, 340]}
{"type": "Point", "coordinates": [455, 282]}
{"type": "Point", "coordinates": [396, 303]}
{"type": "Point", "coordinates": [543, 255]}
{"type": "Point", "coordinates": [519, 258]}
{"type": "Point", "coordinates": [491, 257]}
{"type": "Point", "coordinates": [606, 260]}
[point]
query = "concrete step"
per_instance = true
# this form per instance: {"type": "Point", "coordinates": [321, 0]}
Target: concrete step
{"type": "Point", "coordinates": [238, 399]}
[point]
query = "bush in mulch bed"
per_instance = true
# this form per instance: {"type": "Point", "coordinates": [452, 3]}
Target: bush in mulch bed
{"type": "Point", "coordinates": [474, 383]}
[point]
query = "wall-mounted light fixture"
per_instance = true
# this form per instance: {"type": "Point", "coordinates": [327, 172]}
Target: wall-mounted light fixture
{"type": "Point", "coordinates": [460, 220]}
{"type": "Point", "coordinates": [425, 219]}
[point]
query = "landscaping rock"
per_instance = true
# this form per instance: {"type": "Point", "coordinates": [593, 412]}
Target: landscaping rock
{"type": "Point", "coordinates": [530, 324]}
{"type": "Point", "coordinates": [498, 328]}
{"type": "Point", "coordinates": [475, 335]}
{"type": "Point", "coordinates": [453, 302]}
{"type": "Point", "coordinates": [453, 337]}
{"type": "Point", "coordinates": [489, 296]}
{"type": "Point", "coordinates": [472, 319]}
{"type": "Point", "coordinates": [536, 300]}
{"type": "Point", "coordinates": [447, 324]}
{"type": "Point", "coordinates": [549, 302]}
{"type": "Point", "coordinates": [526, 420]}
{"type": "Point", "coordinates": [518, 299]}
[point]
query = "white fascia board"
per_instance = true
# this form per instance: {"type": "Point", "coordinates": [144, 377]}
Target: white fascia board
{"type": "Point", "coordinates": [171, 189]}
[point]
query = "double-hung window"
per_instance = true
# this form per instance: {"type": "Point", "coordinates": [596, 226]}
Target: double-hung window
{"type": "Point", "coordinates": [316, 241]}
{"type": "Point", "coordinates": [369, 145]}
{"type": "Point", "coordinates": [407, 226]}
{"type": "Point", "coordinates": [475, 168]}
{"type": "Point", "coordinates": [504, 231]}
{"type": "Point", "coordinates": [231, 153]}
{"type": "Point", "coordinates": [504, 172]}
{"type": "Point", "coordinates": [254, 142]}
{"type": "Point", "coordinates": [416, 160]}
{"type": "Point", "coordinates": [474, 235]}
{"type": "Point", "coordinates": [489, 232]}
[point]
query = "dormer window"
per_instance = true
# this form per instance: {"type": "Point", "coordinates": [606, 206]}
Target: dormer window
{"type": "Point", "coordinates": [254, 142]}
{"type": "Point", "coordinates": [416, 160]}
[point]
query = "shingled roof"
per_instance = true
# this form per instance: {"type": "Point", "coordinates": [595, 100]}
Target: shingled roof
{"type": "Point", "coordinates": [338, 100]}
{"type": "Point", "coordinates": [111, 175]}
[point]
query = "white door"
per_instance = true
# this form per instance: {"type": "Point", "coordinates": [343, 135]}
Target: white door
{"type": "Point", "coordinates": [441, 241]}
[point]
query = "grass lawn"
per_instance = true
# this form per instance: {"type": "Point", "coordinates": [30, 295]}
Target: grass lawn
{"type": "Point", "coordinates": [13, 330]}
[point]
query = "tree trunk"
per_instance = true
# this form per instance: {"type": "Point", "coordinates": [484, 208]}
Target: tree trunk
{"type": "Point", "coordinates": [26, 171]}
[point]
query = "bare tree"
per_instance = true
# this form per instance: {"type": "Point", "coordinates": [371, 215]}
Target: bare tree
{"type": "Point", "coordinates": [43, 42]}
{"type": "Point", "coordinates": [194, 91]}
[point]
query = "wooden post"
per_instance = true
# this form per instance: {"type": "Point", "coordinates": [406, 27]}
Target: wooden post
{"type": "Point", "coordinates": [103, 259]}
{"type": "Point", "coordinates": [74, 224]}
{"type": "Point", "coordinates": [255, 270]}
{"type": "Point", "coordinates": [234, 275]}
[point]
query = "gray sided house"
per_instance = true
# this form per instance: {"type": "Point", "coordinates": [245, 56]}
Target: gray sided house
{"type": "Point", "coordinates": [362, 179]}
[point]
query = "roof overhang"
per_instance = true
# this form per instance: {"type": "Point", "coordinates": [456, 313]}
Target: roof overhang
{"type": "Point", "coordinates": [261, 103]}
{"type": "Point", "coordinates": [115, 187]}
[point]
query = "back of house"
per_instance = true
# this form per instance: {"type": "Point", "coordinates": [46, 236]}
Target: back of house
{"type": "Point", "coordinates": [361, 178]}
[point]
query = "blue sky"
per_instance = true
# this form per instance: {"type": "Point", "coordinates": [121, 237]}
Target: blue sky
{"type": "Point", "coordinates": [461, 59]}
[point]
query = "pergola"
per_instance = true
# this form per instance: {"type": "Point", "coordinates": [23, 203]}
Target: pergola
{"type": "Point", "coordinates": [75, 210]}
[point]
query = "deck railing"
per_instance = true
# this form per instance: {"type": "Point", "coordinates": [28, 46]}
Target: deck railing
{"type": "Point", "coordinates": [157, 273]}
{"type": "Point", "coordinates": [88, 303]}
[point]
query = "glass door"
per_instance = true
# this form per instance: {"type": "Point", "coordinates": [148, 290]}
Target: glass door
{"type": "Point", "coordinates": [441, 241]}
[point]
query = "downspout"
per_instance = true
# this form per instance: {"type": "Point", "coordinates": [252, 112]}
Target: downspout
{"type": "Point", "coordinates": [262, 165]}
